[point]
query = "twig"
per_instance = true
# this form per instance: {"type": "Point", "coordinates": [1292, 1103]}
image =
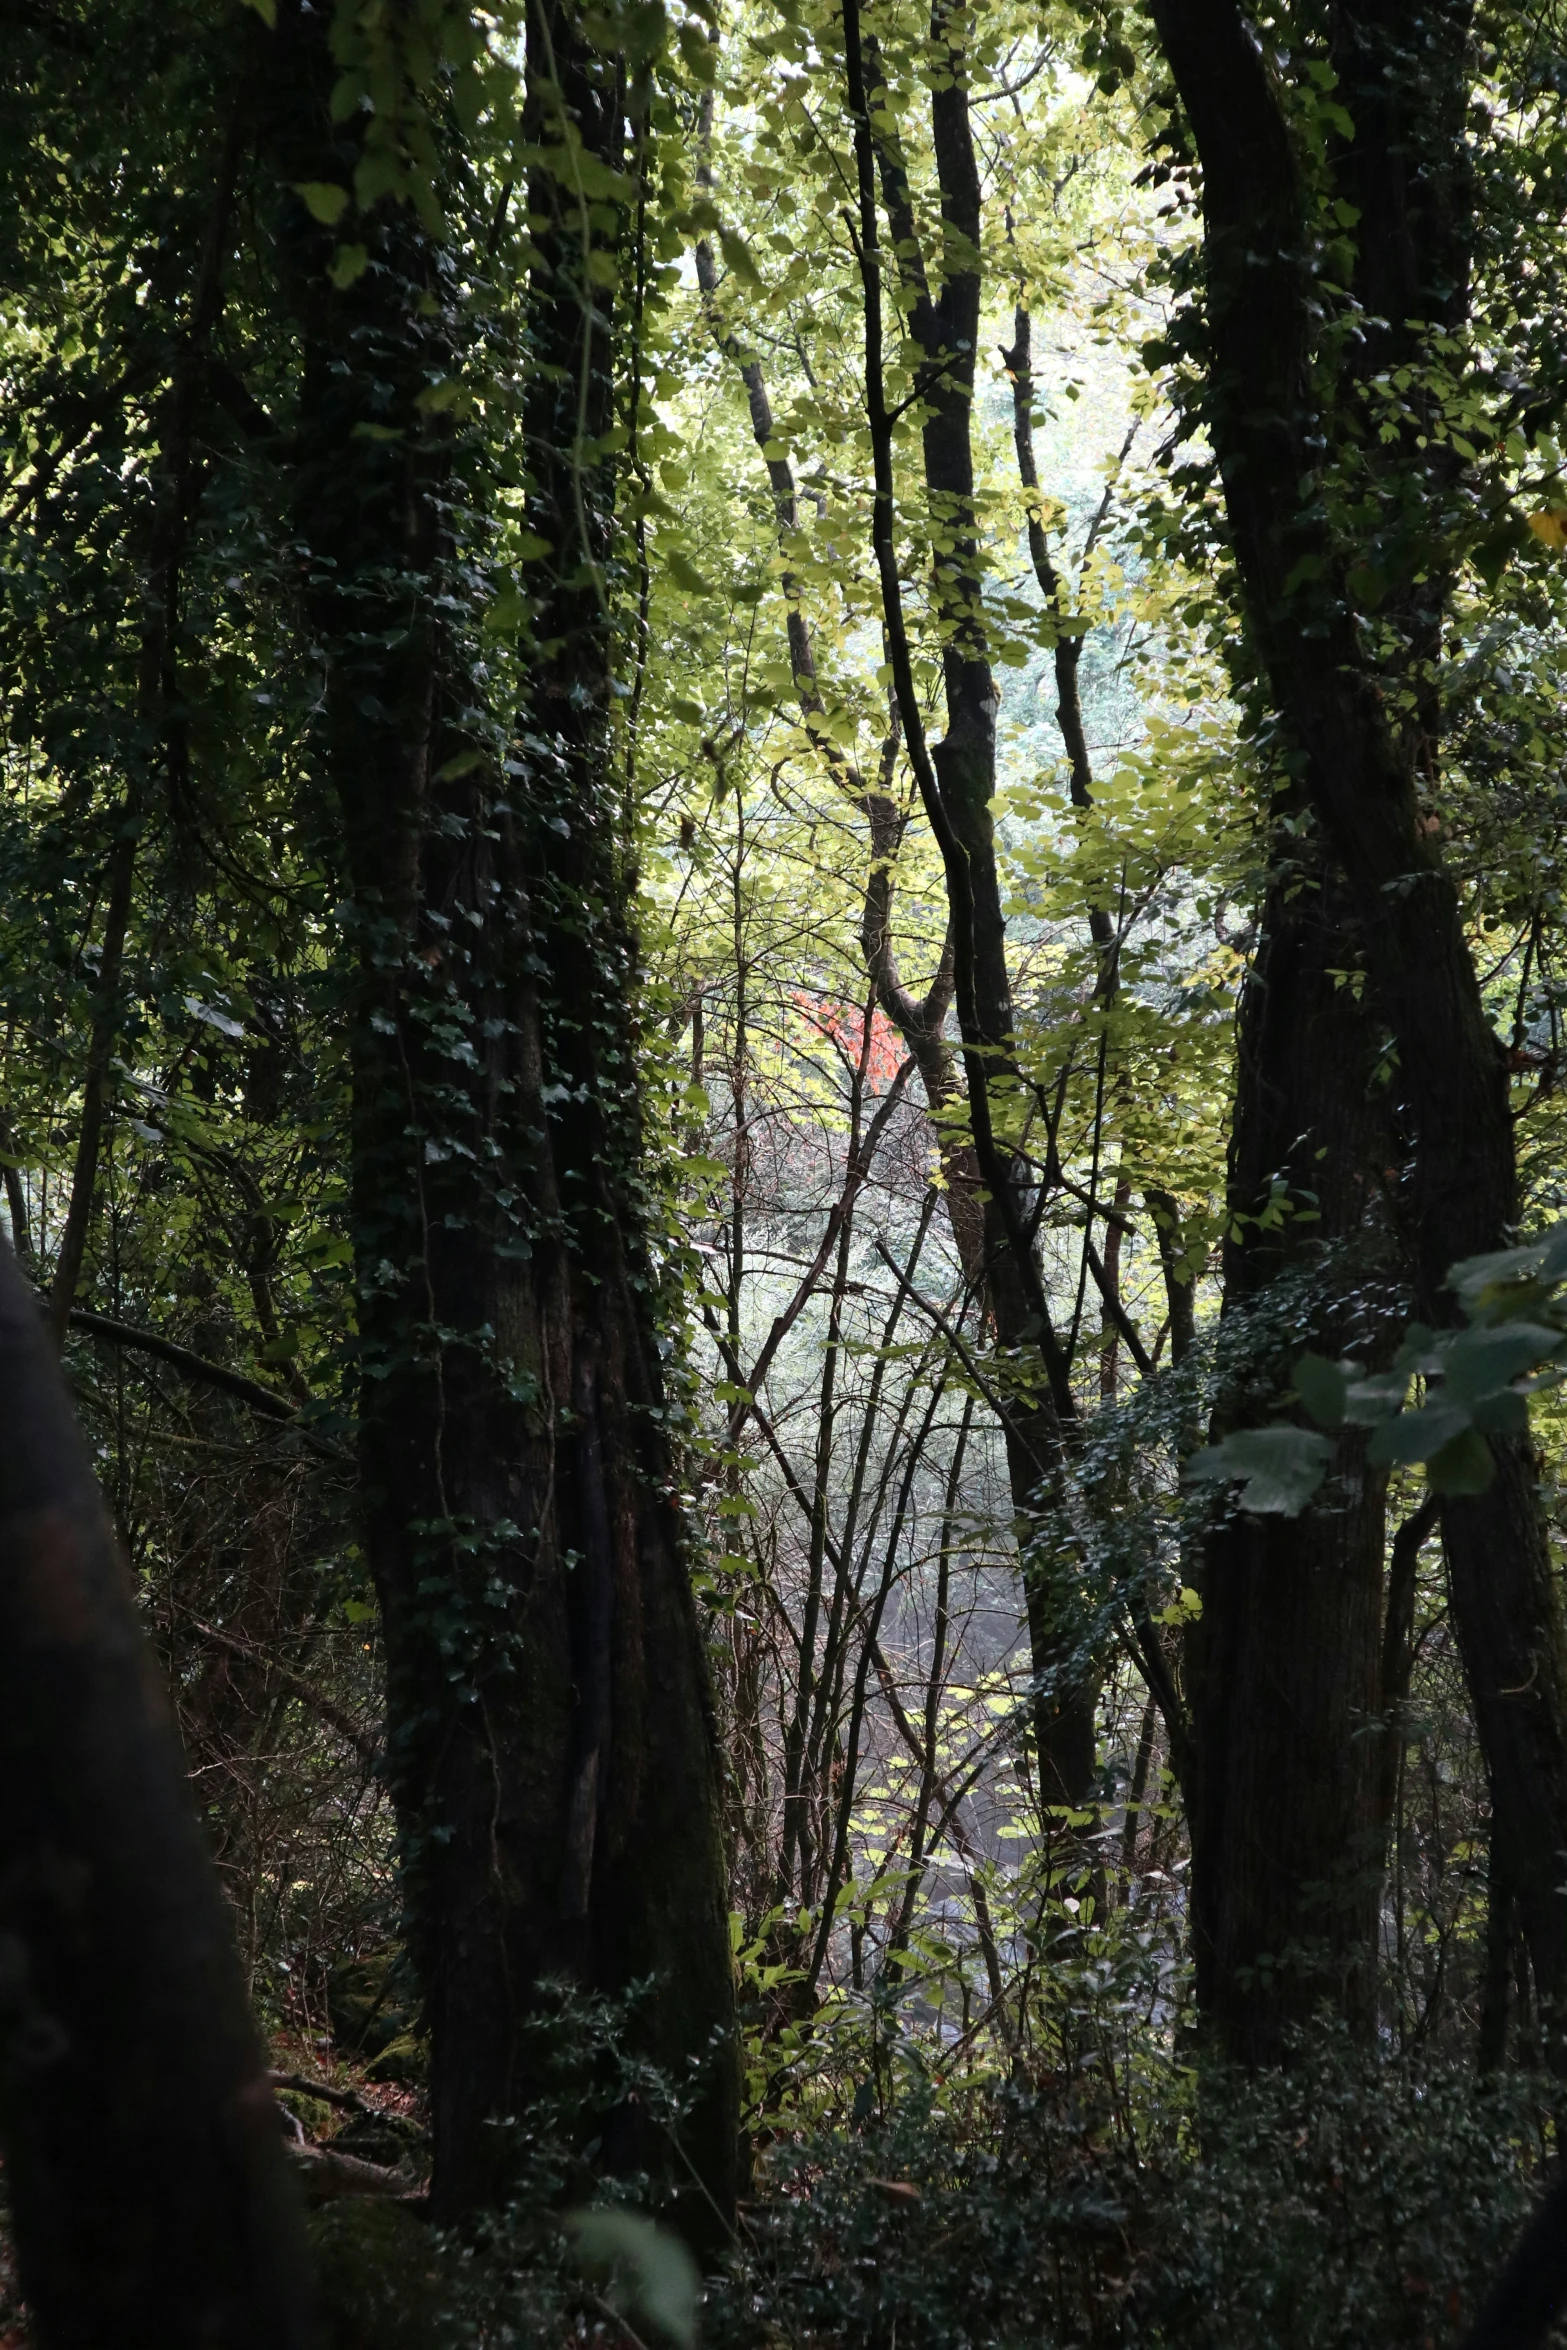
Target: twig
{"type": "Point", "coordinates": [336, 1717]}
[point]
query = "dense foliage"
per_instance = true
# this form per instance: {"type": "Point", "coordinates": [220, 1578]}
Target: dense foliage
{"type": "Point", "coordinates": [780, 838]}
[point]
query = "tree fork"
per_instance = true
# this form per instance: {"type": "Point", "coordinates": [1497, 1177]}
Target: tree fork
{"type": "Point", "coordinates": [1035, 1442]}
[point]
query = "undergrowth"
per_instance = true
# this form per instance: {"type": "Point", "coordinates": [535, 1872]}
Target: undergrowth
{"type": "Point", "coordinates": [1348, 2200]}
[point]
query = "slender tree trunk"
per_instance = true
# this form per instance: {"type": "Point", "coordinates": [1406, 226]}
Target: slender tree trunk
{"type": "Point", "coordinates": [985, 1237]}
{"type": "Point", "coordinates": [156, 693]}
{"type": "Point", "coordinates": [1404, 81]}
{"type": "Point", "coordinates": [552, 1741]}
{"type": "Point", "coordinates": [144, 2157]}
{"type": "Point", "coordinates": [921, 1020]}
{"type": "Point", "coordinates": [957, 779]}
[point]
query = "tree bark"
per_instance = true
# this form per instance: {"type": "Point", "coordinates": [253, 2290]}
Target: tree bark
{"type": "Point", "coordinates": [1403, 80]}
{"type": "Point", "coordinates": [1285, 1663]}
{"type": "Point", "coordinates": [552, 1742]}
{"type": "Point", "coordinates": [144, 2157]}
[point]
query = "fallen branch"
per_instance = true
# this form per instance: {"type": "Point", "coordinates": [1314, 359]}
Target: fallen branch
{"type": "Point", "coordinates": [266, 1400]}
{"type": "Point", "coordinates": [348, 2100]}
{"type": "Point", "coordinates": [326, 2176]}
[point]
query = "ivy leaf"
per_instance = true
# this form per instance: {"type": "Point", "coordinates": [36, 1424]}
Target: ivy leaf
{"type": "Point", "coordinates": [1279, 1469]}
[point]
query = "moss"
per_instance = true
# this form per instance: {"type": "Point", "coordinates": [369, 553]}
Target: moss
{"type": "Point", "coordinates": [373, 2006]}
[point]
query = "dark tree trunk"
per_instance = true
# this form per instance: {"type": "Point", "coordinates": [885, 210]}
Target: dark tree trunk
{"type": "Point", "coordinates": [1285, 1662]}
{"type": "Point", "coordinates": [1403, 73]}
{"type": "Point", "coordinates": [144, 2156]}
{"type": "Point", "coordinates": [552, 1741]}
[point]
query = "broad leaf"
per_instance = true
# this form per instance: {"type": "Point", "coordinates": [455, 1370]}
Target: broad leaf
{"type": "Point", "coordinates": [647, 2273]}
{"type": "Point", "coordinates": [1279, 1468]}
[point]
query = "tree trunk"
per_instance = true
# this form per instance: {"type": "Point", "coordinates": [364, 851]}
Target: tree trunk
{"type": "Point", "coordinates": [552, 1740]}
{"type": "Point", "coordinates": [1403, 80]}
{"type": "Point", "coordinates": [144, 2157]}
{"type": "Point", "coordinates": [957, 784]}
{"type": "Point", "coordinates": [1285, 1662]}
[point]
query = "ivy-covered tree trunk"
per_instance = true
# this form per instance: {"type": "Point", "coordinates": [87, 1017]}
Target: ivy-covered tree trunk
{"type": "Point", "coordinates": [552, 1744]}
{"type": "Point", "coordinates": [1364, 720]}
{"type": "Point", "coordinates": [1284, 1673]}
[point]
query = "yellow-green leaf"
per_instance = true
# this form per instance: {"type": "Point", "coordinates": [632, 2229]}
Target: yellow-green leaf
{"type": "Point", "coordinates": [323, 200]}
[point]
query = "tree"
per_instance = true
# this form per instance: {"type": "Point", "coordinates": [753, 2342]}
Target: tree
{"type": "Point", "coordinates": [551, 1734]}
{"type": "Point", "coordinates": [144, 2156]}
{"type": "Point", "coordinates": [1351, 664]}
{"type": "Point", "coordinates": [1285, 1677]}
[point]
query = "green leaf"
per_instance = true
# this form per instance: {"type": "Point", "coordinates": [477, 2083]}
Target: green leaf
{"type": "Point", "coordinates": [1419, 1436]}
{"type": "Point", "coordinates": [647, 2273]}
{"type": "Point", "coordinates": [1279, 1468]}
{"type": "Point", "coordinates": [1505, 1414]}
{"type": "Point", "coordinates": [1368, 1402]}
{"type": "Point", "coordinates": [349, 263]}
{"type": "Point", "coordinates": [323, 200]}
{"type": "Point", "coordinates": [1322, 1387]}
{"type": "Point", "coordinates": [737, 257]}
{"type": "Point", "coordinates": [450, 392]}
{"type": "Point", "coordinates": [211, 1017]}
{"type": "Point", "coordinates": [685, 574]}
{"type": "Point", "coordinates": [1493, 552]}
{"type": "Point", "coordinates": [1466, 1465]}
{"type": "Point", "coordinates": [267, 11]}
{"type": "Point", "coordinates": [505, 614]}
{"type": "Point", "coordinates": [1481, 1360]}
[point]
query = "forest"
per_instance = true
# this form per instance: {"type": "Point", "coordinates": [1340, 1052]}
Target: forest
{"type": "Point", "coordinates": [783, 957]}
